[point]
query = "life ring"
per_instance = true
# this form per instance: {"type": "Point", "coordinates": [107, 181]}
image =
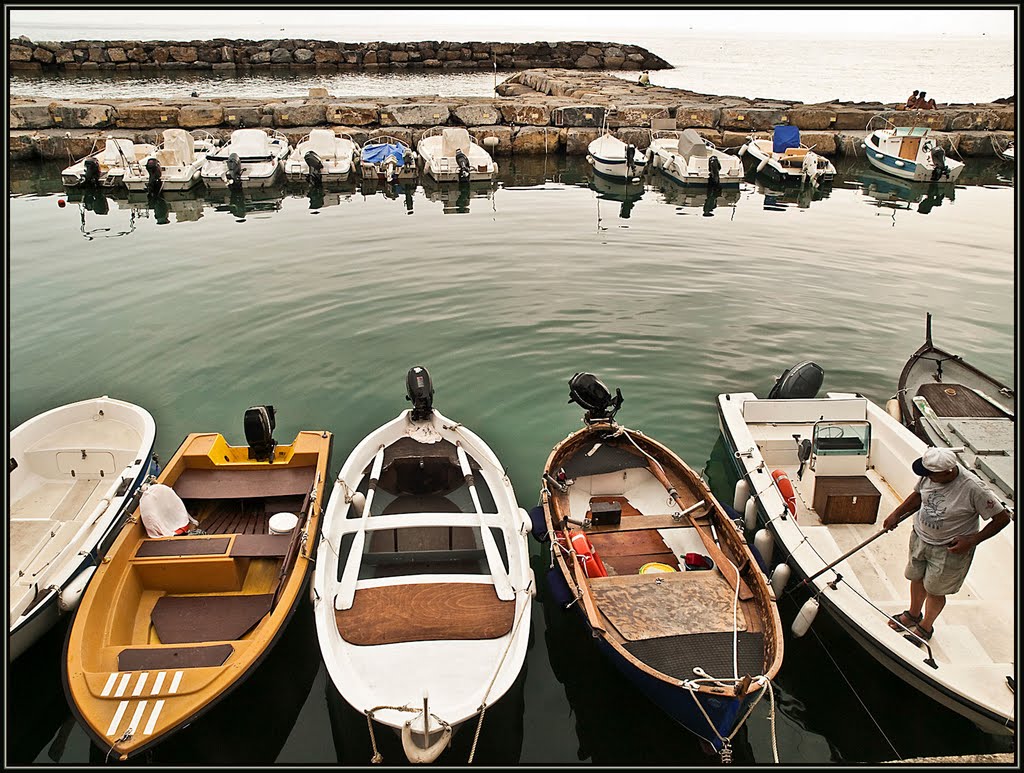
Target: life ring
{"type": "Point", "coordinates": [593, 566]}
{"type": "Point", "coordinates": [786, 489]}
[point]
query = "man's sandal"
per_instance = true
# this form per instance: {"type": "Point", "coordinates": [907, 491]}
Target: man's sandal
{"type": "Point", "coordinates": [919, 635]}
{"type": "Point", "coordinates": [905, 620]}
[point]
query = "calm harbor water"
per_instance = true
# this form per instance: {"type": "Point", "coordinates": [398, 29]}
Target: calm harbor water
{"type": "Point", "coordinates": [200, 306]}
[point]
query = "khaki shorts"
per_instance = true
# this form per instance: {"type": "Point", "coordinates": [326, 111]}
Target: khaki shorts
{"type": "Point", "coordinates": [943, 572]}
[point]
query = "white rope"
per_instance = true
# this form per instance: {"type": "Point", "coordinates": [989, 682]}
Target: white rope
{"type": "Point", "coordinates": [726, 751]}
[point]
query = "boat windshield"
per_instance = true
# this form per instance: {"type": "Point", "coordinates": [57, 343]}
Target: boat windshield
{"type": "Point", "coordinates": [911, 131]}
{"type": "Point", "coordinates": [834, 438]}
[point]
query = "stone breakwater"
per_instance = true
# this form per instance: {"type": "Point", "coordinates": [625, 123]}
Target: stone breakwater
{"type": "Point", "coordinates": [534, 112]}
{"type": "Point", "coordinates": [84, 56]}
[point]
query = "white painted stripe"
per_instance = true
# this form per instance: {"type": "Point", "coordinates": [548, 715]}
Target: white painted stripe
{"type": "Point", "coordinates": [134, 724]}
{"type": "Point", "coordinates": [141, 683]}
{"type": "Point", "coordinates": [175, 682]}
{"type": "Point", "coordinates": [158, 683]}
{"type": "Point", "coordinates": [122, 685]}
{"type": "Point", "coordinates": [108, 686]}
{"type": "Point", "coordinates": [117, 717]}
{"type": "Point", "coordinates": [153, 717]}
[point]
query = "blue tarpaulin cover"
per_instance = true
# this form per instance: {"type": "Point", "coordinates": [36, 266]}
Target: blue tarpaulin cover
{"type": "Point", "coordinates": [374, 154]}
{"type": "Point", "coordinates": [785, 137]}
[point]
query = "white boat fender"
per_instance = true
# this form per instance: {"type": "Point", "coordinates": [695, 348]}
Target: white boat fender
{"type": "Point", "coordinates": [358, 503]}
{"type": "Point", "coordinates": [780, 576]}
{"type": "Point", "coordinates": [892, 407]}
{"type": "Point", "coordinates": [71, 596]}
{"type": "Point", "coordinates": [741, 151]}
{"type": "Point", "coordinates": [750, 514]}
{"type": "Point", "coordinates": [740, 494]}
{"type": "Point", "coordinates": [805, 617]}
{"type": "Point", "coordinates": [764, 542]}
{"type": "Point", "coordinates": [762, 165]}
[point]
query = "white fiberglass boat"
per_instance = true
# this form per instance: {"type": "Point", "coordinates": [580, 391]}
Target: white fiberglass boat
{"type": "Point", "coordinates": [910, 152]}
{"type": "Point", "coordinates": [611, 157]}
{"type": "Point", "coordinates": [782, 158]}
{"type": "Point", "coordinates": [822, 474]}
{"type": "Point", "coordinates": [689, 159]}
{"type": "Point", "coordinates": [175, 165]}
{"type": "Point", "coordinates": [422, 592]}
{"type": "Point", "coordinates": [252, 158]}
{"type": "Point", "coordinates": [322, 156]}
{"type": "Point", "coordinates": [106, 168]}
{"type": "Point", "coordinates": [73, 473]}
{"type": "Point", "coordinates": [387, 159]}
{"type": "Point", "coordinates": [448, 153]}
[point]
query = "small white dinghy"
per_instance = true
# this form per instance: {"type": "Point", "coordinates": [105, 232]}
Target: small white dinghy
{"type": "Point", "coordinates": [73, 472]}
{"type": "Point", "coordinates": [106, 168]}
{"type": "Point", "coordinates": [615, 159]}
{"type": "Point", "coordinates": [252, 158]}
{"type": "Point", "coordinates": [423, 590]}
{"type": "Point", "coordinates": [690, 159]}
{"type": "Point", "coordinates": [448, 153]}
{"type": "Point", "coordinates": [821, 475]}
{"type": "Point", "coordinates": [910, 152]}
{"type": "Point", "coordinates": [784, 159]}
{"type": "Point", "coordinates": [322, 156]}
{"type": "Point", "coordinates": [175, 165]}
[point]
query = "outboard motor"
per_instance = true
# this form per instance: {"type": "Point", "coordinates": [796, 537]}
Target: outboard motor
{"type": "Point", "coordinates": [939, 161]}
{"type": "Point", "coordinates": [420, 391]}
{"type": "Point", "coordinates": [631, 160]}
{"type": "Point", "coordinates": [234, 165]}
{"type": "Point", "coordinates": [390, 167]}
{"type": "Point", "coordinates": [259, 425]}
{"type": "Point", "coordinates": [316, 167]}
{"type": "Point", "coordinates": [714, 168]}
{"type": "Point", "coordinates": [464, 168]}
{"type": "Point", "coordinates": [155, 174]}
{"type": "Point", "coordinates": [92, 172]}
{"type": "Point", "coordinates": [587, 391]}
{"type": "Point", "coordinates": [800, 381]}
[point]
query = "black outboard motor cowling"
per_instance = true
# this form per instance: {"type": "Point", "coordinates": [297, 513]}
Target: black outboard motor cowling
{"type": "Point", "coordinates": [463, 161]}
{"type": "Point", "coordinates": [91, 175]}
{"type": "Point", "coordinates": [316, 167]}
{"type": "Point", "coordinates": [939, 160]}
{"type": "Point", "coordinates": [800, 381]}
{"type": "Point", "coordinates": [420, 391]}
{"type": "Point", "coordinates": [234, 165]}
{"type": "Point", "coordinates": [587, 391]}
{"type": "Point", "coordinates": [259, 422]}
{"type": "Point", "coordinates": [155, 174]}
{"type": "Point", "coordinates": [714, 168]}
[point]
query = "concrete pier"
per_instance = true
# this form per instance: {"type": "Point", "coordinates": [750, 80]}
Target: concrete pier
{"type": "Point", "coordinates": [533, 112]}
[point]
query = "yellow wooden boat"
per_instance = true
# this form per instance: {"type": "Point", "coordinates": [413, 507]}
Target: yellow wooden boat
{"type": "Point", "coordinates": [169, 626]}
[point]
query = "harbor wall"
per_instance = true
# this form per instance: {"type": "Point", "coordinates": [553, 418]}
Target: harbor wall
{"type": "Point", "coordinates": [536, 111]}
{"type": "Point", "coordinates": [243, 56]}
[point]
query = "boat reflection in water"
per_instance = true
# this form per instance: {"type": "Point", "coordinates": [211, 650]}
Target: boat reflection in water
{"type": "Point", "coordinates": [499, 743]}
{"type": "Point", "coordinates": [185, 206]}
{"type": "Point", "coordinates": [241, 202]}
{"type": "Point", "coordinates": [892, 193]}
{"type": "Point", "coordinates": [455, 197]}
{"type": "Point", "coordinates": [778, 198]}
{"type": "Point", "coordinates": [626, 192]}
{"type": "Point", "coordinates": [395, 190]}
{"type": "Point", "coordinates": [705, 198]}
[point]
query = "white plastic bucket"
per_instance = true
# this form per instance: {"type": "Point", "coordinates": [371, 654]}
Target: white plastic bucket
{"type": "Point", "coordinates": [282, 523]}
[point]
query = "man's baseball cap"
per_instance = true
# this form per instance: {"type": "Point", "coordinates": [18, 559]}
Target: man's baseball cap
{"type": "Point", "coordinates": [935, 460]}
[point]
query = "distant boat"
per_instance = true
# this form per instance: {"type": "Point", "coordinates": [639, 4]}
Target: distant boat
{"type": "Point", "coordinates": [690, 159]}
{"type": "Point", "coordinates": [783, 158]}
{"type": "Point", "coordinates": [448, 154]}
{"type": "Point", "coordinates": [322, 156]}
{"type": "Point", "coordinates": [910, 152]}
{"type": "Point", "coordinates": [251, 158]}
{"type": "Point", "coordinates": [105, 168]}
{"type": "Point", "coordinates": [73, 472]}
{"type": "Point", "coordinates": [387, 159]}
{"type": "Point", "coordinates": [950, 403]}
{"type": "Point", "coordinates": [175, 165]}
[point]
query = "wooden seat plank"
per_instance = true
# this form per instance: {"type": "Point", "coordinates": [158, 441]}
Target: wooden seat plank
{"type": "Point", "coordinates": [143, 659]}
{"type": "Point", "coordinates": [260, 546]}
{"type": "Point", "coordinates": [236, 484]}
{"type": "Point", "coordinates": [186, 619]}
{"type": "Point", "coordinates": [183, 546]}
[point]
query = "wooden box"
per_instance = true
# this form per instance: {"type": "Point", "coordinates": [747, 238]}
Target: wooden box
{"type": "Point", "coordinates": [846, 499]}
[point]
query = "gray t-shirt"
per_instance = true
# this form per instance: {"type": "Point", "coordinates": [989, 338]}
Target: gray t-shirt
{"type": "Point", "coordinates": [951, 509]}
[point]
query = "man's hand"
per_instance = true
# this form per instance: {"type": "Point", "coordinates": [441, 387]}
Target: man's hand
{"type": "Point", "coordinates": [891, 522]}
{"type": "Point", "coordinates": [962, 544]}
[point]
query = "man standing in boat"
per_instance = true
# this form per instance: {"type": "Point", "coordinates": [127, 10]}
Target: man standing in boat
{"type": "Point", "coordinates": [946, 502]}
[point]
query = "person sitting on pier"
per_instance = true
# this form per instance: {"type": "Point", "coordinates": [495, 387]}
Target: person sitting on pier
{"type": "Point", "coordinates": [912, 100]}
{"type": "Point", "coordinates": [925, 104]}
{"type": "Point", "coordinates": [645, 79]}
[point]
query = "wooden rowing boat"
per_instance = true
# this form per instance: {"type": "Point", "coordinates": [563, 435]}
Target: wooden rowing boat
{"type": "Point", "coordinates": [169, 626]}
{"type": "Point", "coordinates": [702, 644]}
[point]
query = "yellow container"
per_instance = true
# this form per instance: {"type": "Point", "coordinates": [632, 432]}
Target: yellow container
{"type": "Point", "coordinates": [655, 567]}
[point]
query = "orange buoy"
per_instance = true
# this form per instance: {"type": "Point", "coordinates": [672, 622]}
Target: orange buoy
{"type": "Point", "coordinates": [786, 489]}
{"type": "Point", "coordinates": [593, 566]}
{"type": "Point", "coordinates": [61, 202]}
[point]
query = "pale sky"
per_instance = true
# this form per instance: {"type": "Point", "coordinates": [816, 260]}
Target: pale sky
{"type": "Point", "coordinates": [852, 22]}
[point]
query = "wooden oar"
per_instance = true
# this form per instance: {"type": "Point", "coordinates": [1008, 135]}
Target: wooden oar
{"type": "Point", "coordinates": [724, 565]}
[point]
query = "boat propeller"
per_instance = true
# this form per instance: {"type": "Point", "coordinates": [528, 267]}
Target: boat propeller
{"type": "Point", "coordinates": [587, 391]}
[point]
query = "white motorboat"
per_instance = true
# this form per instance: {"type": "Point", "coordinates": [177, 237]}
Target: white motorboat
{"type": "Point", "coordinates": [821, 475]}
{"type": "Point", "coordinates": [783, 158]}
{"type": "Point", "coordinates": [910, 152]}
{"type": "Point", "coordinates": [1007, 153]}
{"type": "Point", "coordinates": [613, 158]}
{"type": "Point", "coordinates": [387, 159]}
{"type": "Point", "coordinates": [175, 165]}
{"type": "Point", "coordinates": [322, 156]}
{"type": "Point", "coordinates": [422, 588]}
{"type": "Point", "coordinates": [106, 167]}
{"type": "Point", "coordinates": [448, 153]}
{"type": "Point", "coordinates": [73, 472]}
{"type": "Point", "coordinates": [252, 158]}
{"type": "Point", "coordinates": [689, 159]}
